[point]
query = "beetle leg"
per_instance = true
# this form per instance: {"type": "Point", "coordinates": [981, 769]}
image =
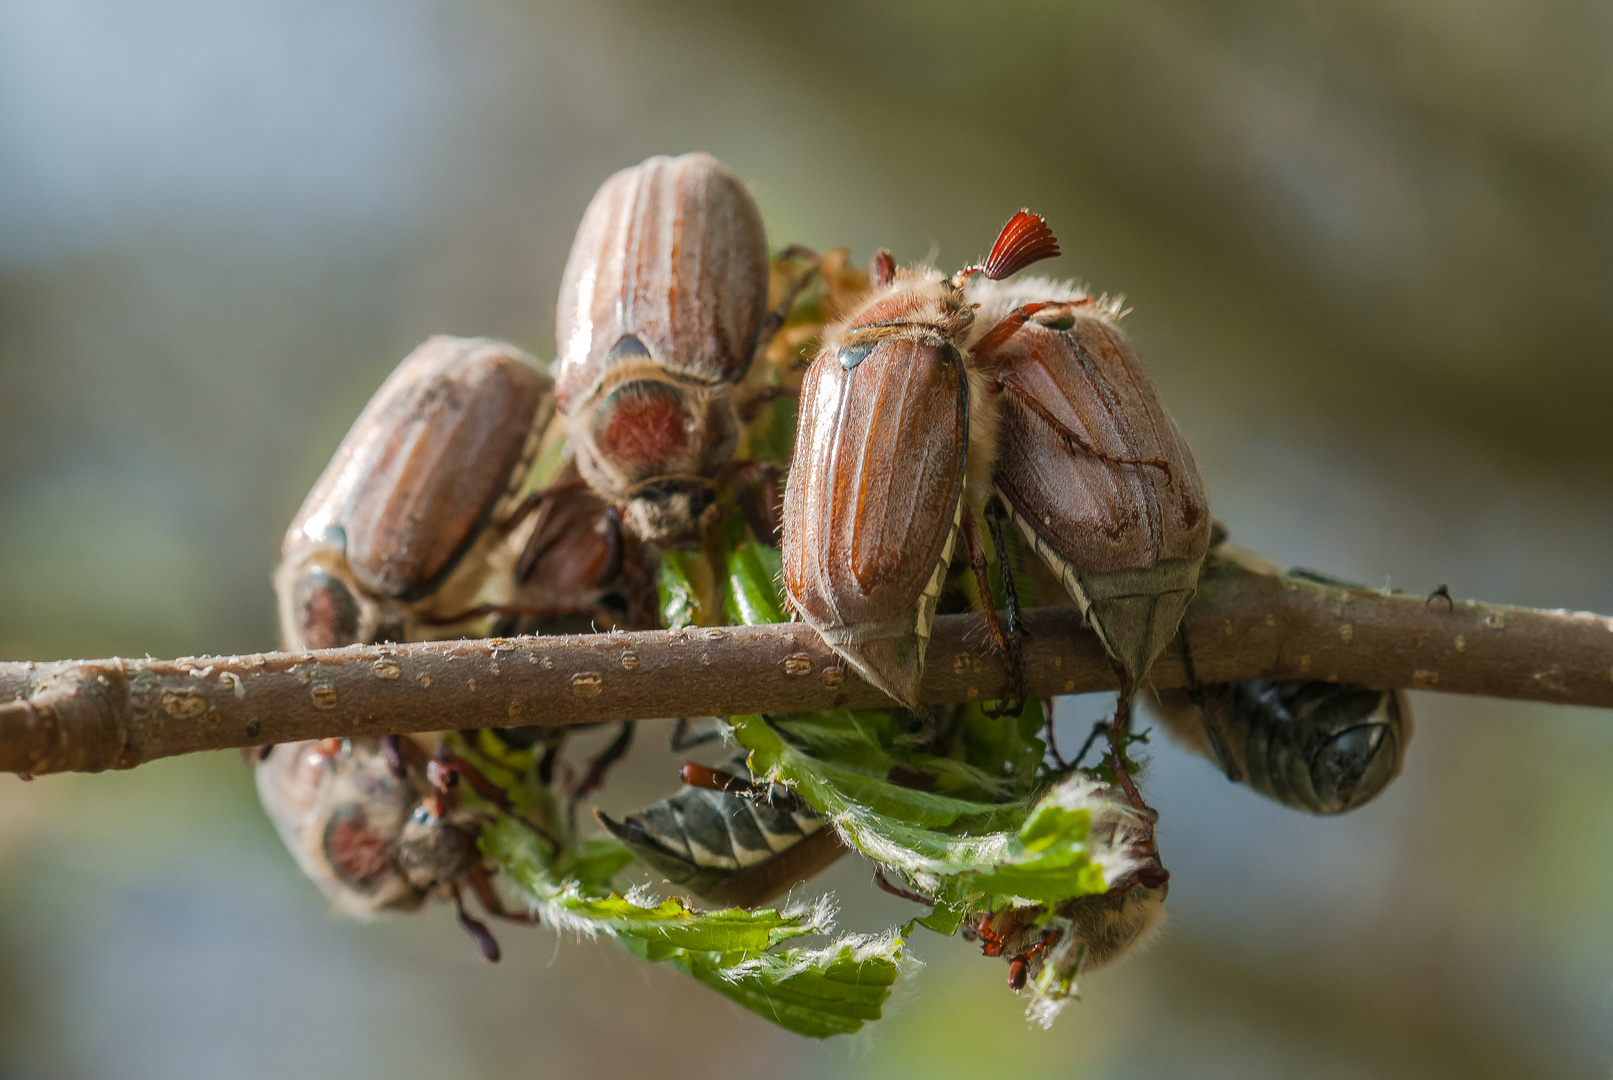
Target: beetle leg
{"type": "Point", "coordinates": [1073, 440]}
{"type": "Point", "coordinates": [774, 320]}
{"type": "Point", "coordinates": [481, 610]}
{"type": "Point", "coordinates": [756, 485]}
{"type": "Point", "coordinates": [1100, 728]}
{"type": "Point", "coordinates": [602, 762]}
{"type": "Point", "coordinates": [1016, 634]}
{"type": "Point", "coordinates": [482, 882]}
{"type": "Point", "coordinates": [898, 890]}
{"type": "Point", "coordinates": [610, 528]}
{"type": "Point", "coordinates": [682, 739]}
{"type": "Point", "coordinates": [486, 943]}
{"type": "Point", "coordinates": [1009, 648]}
{"type": "Point", "coordinates": [753, 405]}
{"type": "Point", "coordinates": [541, 499]}
{"type": "Point", "coordinates": [1117, 748]}
{"type": "Point", "coordinates": [1209, 716]}
{"type": "Point", "coordinates": [394, 756]}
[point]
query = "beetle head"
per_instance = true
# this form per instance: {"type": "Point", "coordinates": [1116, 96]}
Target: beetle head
{"type": "Point", "coordinates": [671, 511]}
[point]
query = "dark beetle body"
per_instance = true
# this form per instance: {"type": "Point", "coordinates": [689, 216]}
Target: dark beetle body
{"type": "Point", "coordinates": [1127, 541]}
{"type": "Point", "coordinates": [1317, 746]}
{"type": "Point", "coordinates": [728, 848]}
{"type": "Point", "coordinates": [1321, 747]}
{"type": "Point", "coordinates": [397, 527]}
{"type": "Point", "coordinates": [661, 305]}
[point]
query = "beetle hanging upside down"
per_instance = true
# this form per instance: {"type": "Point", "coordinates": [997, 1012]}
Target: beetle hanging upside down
{"type": "Point", "coordinates": [379, 825]}
{"type": "Point", "coordinates": [396, 537]}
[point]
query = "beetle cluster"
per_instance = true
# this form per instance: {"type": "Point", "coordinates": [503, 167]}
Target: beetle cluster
{"type": "Point", "coordinates": [483, 493]}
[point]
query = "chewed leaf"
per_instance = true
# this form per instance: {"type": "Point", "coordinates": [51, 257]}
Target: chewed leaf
{"type": "Point", "coordinates": [963, 853]}
{"type": "Point", "coordinates": [815, 992]}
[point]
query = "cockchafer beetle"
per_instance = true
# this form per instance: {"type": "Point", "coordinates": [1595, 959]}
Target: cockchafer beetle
{"type": "Point", "coordinates": [395, 537]}
{"type": "Point", "coordinates": [663, 307]}
{"type": "Point", "coordinates": [727, 839]}
{"type": "Point", "coordinates": [378, 825]}
{"type": "Point", "coordinates": [1127, 542]}
{"type": "Point", "coordinates": [1317, 746]}
{"type": "Point", "coordinates": [1090, 932]}
{"type": "Point", "coordinates": [1321, 747]}
{"type": "Point", "coordinates": [894, 451]}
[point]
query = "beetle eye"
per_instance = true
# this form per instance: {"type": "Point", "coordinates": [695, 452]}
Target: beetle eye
{"type": "Point", "coordinates": [356, 851]}
{"type": "Point", "coordinates": [326, 612]}
{"type": "Point", "coordinates": [852, 355]}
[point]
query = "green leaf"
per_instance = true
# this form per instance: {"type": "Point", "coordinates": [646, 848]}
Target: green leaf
{"type": "Point", "coordinates": [963, 853]}
{"type": "Point", "coordinates": [680, 600]}
{"type": "Point", "coordinates": [815, 992]}
{"type": "Point", "coordinates": [753, 597]}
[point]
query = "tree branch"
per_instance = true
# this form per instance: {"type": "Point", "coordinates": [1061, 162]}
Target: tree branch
{"type": "Point", "coordinates": [88, 715]}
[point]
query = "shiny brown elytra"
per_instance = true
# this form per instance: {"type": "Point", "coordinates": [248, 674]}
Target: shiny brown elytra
{"type": "Point", "coordinates": [398, 530]}
{"type": "Point", "coordinates": [894, 431]}
{"type": "Point", "coordinates": [1127, 542]}
{"type": "Point", "coordinates": [662, 309]}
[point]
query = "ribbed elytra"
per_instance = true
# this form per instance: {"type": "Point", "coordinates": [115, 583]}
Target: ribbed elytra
{"type": "Point", "coordinates": [665, 290]}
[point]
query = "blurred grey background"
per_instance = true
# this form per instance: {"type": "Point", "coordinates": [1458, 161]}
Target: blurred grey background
{"type": "Point", "coordinates": [1370, 251]}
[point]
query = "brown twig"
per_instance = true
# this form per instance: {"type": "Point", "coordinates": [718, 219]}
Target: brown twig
{"type": "Point", "coordinates": [99, 714]}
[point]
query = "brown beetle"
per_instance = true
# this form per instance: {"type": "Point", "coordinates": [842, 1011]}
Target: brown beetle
{"type": "Point", "coordinates": [1126, 542]}
{"type": "Point", "coordinates": [663, 306]}
{"type": "Point", "coordinates": [397, 532]}
{"type": "Point", "coordinates": [892, 460]}
{"type": "Point", "coordinates": [378, 826]}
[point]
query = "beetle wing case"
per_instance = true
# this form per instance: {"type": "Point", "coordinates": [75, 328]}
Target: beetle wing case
{"type": "Point", "coordinates": [1127, 540]}
{"type": "Point", "coordinates": [425, 466]}
{"type": "Point", "coordinates": [672, 252]}
{"type": "Point", "coordinates": [872, 506]}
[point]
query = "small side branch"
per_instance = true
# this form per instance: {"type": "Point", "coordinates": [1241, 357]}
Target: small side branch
{"type": "Point", "coordinates": [89, 715]}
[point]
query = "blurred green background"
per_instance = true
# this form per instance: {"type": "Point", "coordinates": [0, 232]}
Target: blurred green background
{"type": "Point", "coordinates": [1370, 250]}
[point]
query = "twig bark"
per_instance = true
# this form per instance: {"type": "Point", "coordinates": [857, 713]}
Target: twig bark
{"type": "Point", "coordinates": [88, 715]}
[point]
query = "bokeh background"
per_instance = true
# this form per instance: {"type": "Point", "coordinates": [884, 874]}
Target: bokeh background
{"type": "Point", "coordinates": [1370, 250]}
